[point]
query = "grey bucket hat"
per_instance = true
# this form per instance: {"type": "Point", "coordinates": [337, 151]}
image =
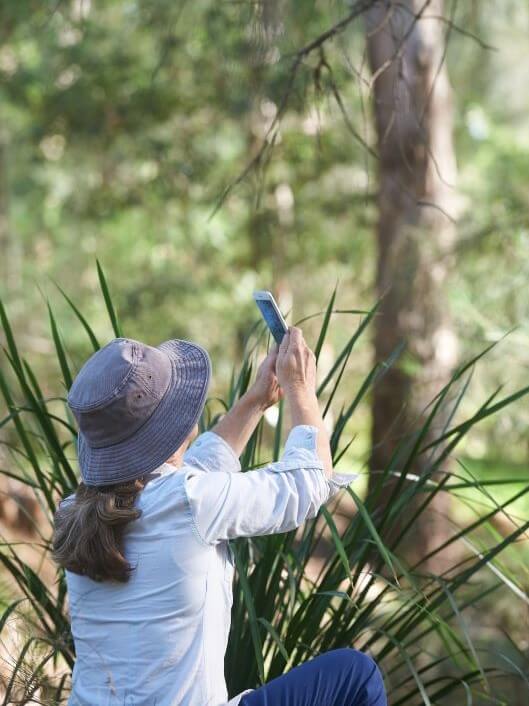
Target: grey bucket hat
{"type": "Point", "coordinates": [135, 405]}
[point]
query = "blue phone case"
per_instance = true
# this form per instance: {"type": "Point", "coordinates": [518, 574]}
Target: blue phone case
{"type": "Point", "coordinates": [273, 322]}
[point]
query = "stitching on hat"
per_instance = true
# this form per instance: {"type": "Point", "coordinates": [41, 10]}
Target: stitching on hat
{"type": "Point", "coordinates": [135, 360]}
{"type": "Point", "coordinates": [86, 408]}
{"type": "Point", "coordinates": [140, 383]}
{"type": "Point", "coordinates": [108, 399]}
{"type": "Point", "coordinates": [144, 386]}
{"type": "Point", "coordinates": [191, 348]}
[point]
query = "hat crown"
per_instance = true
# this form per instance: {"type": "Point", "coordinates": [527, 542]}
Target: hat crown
{"type": "Point", "coordinates": [117, 390]}
{"type": "Point", "coordinates": [102, 374]}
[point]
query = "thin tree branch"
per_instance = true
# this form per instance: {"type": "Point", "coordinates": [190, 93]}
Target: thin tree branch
{"type": "Point", "coordinates": [457, 28]}
{"type": "Point", "coordinates": [359, 7]}
{"type": "Point", "coordinates": [397, 55]}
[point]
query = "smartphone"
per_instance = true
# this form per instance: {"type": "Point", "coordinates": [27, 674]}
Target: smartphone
{"type": "Point", "coordinates": [271, 314]}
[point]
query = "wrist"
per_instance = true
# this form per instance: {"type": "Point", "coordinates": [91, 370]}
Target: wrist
{"type": "Point", "coordinates": [303, 396]}
{"type": "Point", "coordinates": [253, 401]}
{"type": "Point", "coordinates": [304, 409]}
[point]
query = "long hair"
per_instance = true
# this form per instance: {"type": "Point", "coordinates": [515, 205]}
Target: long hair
{"type": "Point", "coordinates": [88, 532]}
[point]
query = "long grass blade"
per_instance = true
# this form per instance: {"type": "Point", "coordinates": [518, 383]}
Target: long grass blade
{"type": "Point", "coordinates": [325, 326]}
{"type": "Point", "coordinates": [10, 340]}
{"type": "Point", "coordinates": [59, 347]}
{"type": "Point", "coordinates": [347, 348]}
{"type": "Point", "coordinates": [108, 301]}
{"type": "Point", "coordinates": [91, 335]}
{"type": "Point", "coordinates": [8, 611]}
{"type": "Point", "coordinates": [252, 615]}
{"type": "Point", "coordinates": [275, 637]}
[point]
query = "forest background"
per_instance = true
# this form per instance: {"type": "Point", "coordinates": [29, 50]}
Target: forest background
{"type": "Point", "coordinates": [202, 150]}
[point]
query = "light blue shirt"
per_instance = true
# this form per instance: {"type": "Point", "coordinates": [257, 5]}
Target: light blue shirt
{"type": "Point", "coordinates": [160, 639]}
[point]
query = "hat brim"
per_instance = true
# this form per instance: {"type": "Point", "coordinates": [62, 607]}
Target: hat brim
{"type": "Point", "coordinates": [165, 430]}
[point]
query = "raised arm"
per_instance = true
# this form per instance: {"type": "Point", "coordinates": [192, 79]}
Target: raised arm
{"type": "Point", "coordinates": [239, 423]}
{"type": "Point", "coordinates": [296, 373]}
{"type": "Point", "coordinates": [276, 498]}
{"type": "Point", "coordinates": [287, 371]}
{"type": "Point", "coordinates": [282, 495]}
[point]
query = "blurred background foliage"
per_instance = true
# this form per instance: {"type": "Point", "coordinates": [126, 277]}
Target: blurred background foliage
{"type": "Point", "coordinates": [122, 123]}
{"type": "Point", "coordinates": [123, 126]}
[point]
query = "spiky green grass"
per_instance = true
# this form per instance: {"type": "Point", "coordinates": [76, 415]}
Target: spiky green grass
{"type": "Point", "coordinates": [286, 608]}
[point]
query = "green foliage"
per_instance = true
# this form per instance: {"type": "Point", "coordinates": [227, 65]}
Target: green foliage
{"type": "Point", "coordinates": [362, 595]}
{"type": "Point", "coordinates": [122, 123]}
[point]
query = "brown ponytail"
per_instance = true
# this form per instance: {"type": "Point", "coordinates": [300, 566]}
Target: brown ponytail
{"type": "Point", "coordinates": [88, 532]}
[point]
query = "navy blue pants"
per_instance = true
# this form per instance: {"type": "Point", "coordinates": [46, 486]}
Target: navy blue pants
{"type": "Point", "coordinates": [344, 677]}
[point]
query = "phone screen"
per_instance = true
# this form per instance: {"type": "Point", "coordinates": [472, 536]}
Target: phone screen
{"type": "Point", "coordinates": [270, 316]}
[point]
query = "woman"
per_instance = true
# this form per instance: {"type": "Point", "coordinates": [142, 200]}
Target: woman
{"type": "Point", "coordinates": [144, 540]}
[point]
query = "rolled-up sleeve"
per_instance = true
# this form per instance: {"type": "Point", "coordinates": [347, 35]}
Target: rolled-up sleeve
{"type": "Point", "coordinates": [276, 498]}
{"type": "Point", "coordinates": [211, 452]}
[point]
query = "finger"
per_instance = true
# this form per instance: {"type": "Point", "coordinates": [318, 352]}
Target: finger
{"type": "Point", "coordinates": [284, 342]}
{"type": "Point", "coordinates": [271, 360]}
{"type": "Point", "coordinates": [296, 336]}
{"type": "Point", "coordinates": [268, 363]}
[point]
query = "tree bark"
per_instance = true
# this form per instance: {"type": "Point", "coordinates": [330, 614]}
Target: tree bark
{"type": "Point", "coordinates": [417, 170]}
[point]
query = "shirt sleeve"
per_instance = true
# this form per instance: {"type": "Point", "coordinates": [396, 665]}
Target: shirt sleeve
{"type": "Point", "coordinates": [276, 498]}
{"type": "Point", "coordinates": [211, 452]}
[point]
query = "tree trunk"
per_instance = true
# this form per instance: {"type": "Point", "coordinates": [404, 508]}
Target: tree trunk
{"type": "Point", "coordinates": [413, 117]}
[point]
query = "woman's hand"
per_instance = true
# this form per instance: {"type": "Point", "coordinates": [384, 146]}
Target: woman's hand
{"type": "Point", "coordinates": [296, 364]}
{"type": "Point", "coordinates": [266, 390]}
{"type": "Point", "coordinates": [296, 372]}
